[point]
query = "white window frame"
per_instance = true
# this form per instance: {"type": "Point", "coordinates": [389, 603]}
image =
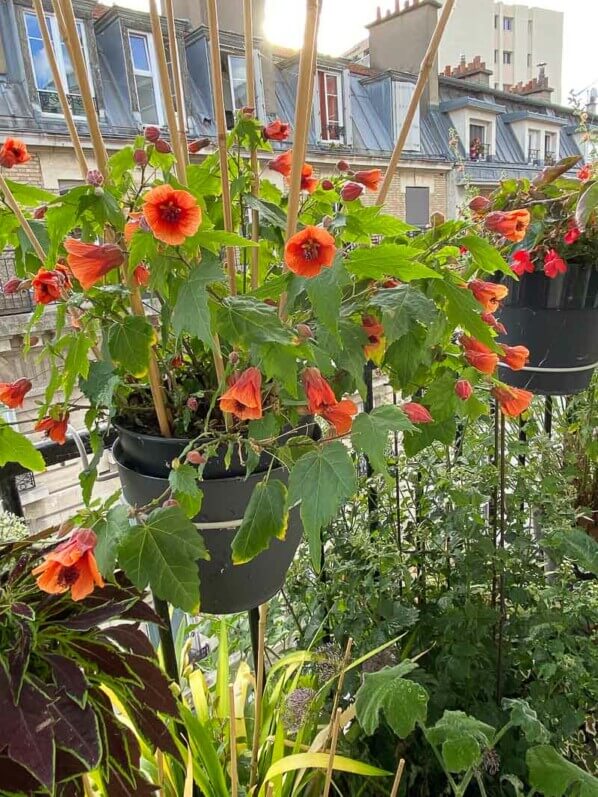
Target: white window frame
{"type": "Point", "coordinates": [534, 134]}
{"type": "Point", "coordinates": [153, 70]}
{"type": "Point", "coordinates": [229, 58]}
{"type": "Point", "coordinates": [553, 136]}
{"type": "Point", "coordinates": [54, 30]}
{"type": "Point", "coordinates": [340, 102]}
{"type": "Point", "coordinates": [507, 61]}
{"type": "Point", "coordinates": [507, 24]}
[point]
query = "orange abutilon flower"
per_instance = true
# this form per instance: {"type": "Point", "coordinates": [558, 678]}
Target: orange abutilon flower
{"type": "Point", "coordinates": [282, 163]}
{"type": "Point", "coordinates": [309, 251]}
{"type": "Point", "coordinates": [340, 415]}
{"type": "Point", "coordinates": [416, 413]}
{"type": "Point", "coordinates": [13, 152]}
{"type": "Point", "coordinates": [71, 565]}
{"type": "Point", "coordinates": [463, 389]}
{"type": "Point", "coordinates": [370, 178]}
{"type": "Point", "coordinates": [55, 428]}
{"type": "Point", "coordinates": [493, 322]}
{"type": "Point", "coordinates": [512, 400]}
{"type": "Point", "coordinates": [48, 286]}
{"type": "Point", "coordinates": [515, 357]}
{"type": "Point", "coordinates": [89, 263]}
{"type": "Point", "coordinates": [322, 401]}
{"type": "Point", "coordinates": [309, 183]}
{"type": "Point", "coordinates": [173, 215]}
{"type": "Point", "coordinates": [244, 397]}
{"type": "Point", "coordinates": [141, 275]}
{"type": "Point", "coordinates": [12, 394]}
{"type": "Point", "coordinates": [374, 348]}
{"type": "Point", "coordinates": [511, 224]}
{"type": "Point", "coordinates": [479, 355]}
{"type": "Point", "coordinates": [276, 131]}
{"type": "Point", "coordinates": [488, 294]}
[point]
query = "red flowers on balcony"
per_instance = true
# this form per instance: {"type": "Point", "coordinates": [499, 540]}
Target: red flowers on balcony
{"type": "Point", "coordinates": [371, 178]}
{"type": "Point", "coordinates": [244, 398]}
{"type": "Point", "coordinates": [309, 251]}
{"type": "Point", "coordinates": [49, 286]}
{"type": "Point", "coordinates": [54, 427]}
{"type": "Point", "coordinates": [276, 131]}
{"type": "Point", "coordinates": [521, 262]}
{"type": "Point", "coordinates": [416, 413]}
{"type": "Point", "coordinates": [512, 400]}
{"type": "Point", "coordinates": [511, 224]}
{"type": "Point", "coordinates": [554, 264]}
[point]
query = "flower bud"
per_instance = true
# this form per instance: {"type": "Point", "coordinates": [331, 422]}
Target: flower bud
{"type": "Point", "coordinates": [176, 361]}
{"type": "Point", "coordinates": [479, 204]}
{"type": "Point", "coordinates": [195, 146]}
{"type": "Point", "coordinates": [247, 111]}
{"type": "Point", "coordinates": [11, 286]}
{"type": "Point", "coordinates": [233, 358]}
{"type": "Point", "coordinates": [463, 389]}
{"type": "Point", "coordinates": [351, 191]}
{"type": "Point", "coordinates": [304, 331]}
{"type": "Point", "coordinates": [95, 178]}
{"type": "Point", "coordinates": [170, 502]}
{"type": "Point", "coordinates": [192, 404]}
{"type": "Point", "coordinates": [343, 166]}
{"type": "Point", "coordinates": [162, 146]}
{"type": "Point", "coordinates": [140, 157]}
{"type": "Point", "coordinates": [327, 185]}
{"type": "Point", "coordinates": [151, 133]}
{"type": "Point", "coordinates": [195, 458]}
{"type": "Point", "coordinates": [40, 212]}
{"type": "Point", "coordinates": [391, 283]}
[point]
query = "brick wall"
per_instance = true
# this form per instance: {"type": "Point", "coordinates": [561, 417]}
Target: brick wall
{"type": "Point", "coordinates": [30, 172]}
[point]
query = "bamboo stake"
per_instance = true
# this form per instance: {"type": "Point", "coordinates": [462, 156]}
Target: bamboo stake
{"type": "Point", "coordinates": [234, 780]}
{"type": "Point", "coordinates": [251, 101]}
{"type": "Point", "coordinates": [422, 80]}
{"type": "Point", "coordinates": [56, 76]}
{"type": "Point", "coordinates": [175, 63]}
{"type": "Point", "coordinates": [333, 743]}
{"type": "Point", "coordinates": [259, 688]}
{"type": "Point", "coordinates": [221, 133]}
{"type": "Point", "coordinates": [66, 17]}
{"type": "Point", "coordinates": [341, 677]}
{"type": "Point", "coordinates": [26, 227]}
{"type": "Point", "coordinates": [397, 780]}
{"type": "Point", "coordinates": [181, 156]}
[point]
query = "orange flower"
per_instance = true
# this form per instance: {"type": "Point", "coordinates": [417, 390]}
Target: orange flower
{"type": "Point", "coordinates": [488, 294]}
{"type": "Point", "coordinates": [132, 225]}
{"type": "Point", "coordinates": [322, 401]}
{"type": "Point", "coordinates": [13, 152]}
{"type": "Point", "coordinates": [512, 400]}
{"type": "Point", "coordinates": [512, 224]}
{"type": "Point", "coordinates": [55, 428]}
{"type": "Point", "coordinates": [141, 275]}
{"type": "Point", "coordinates": [282, 163]}
{"type": "Point", "coordinates": [71, 565]}
{"type": "Point", "coordinates": [340, 415]}
{"type": "Point", "coordinates": [276, 131]}
{"type": "Point", "coordinates": [244, 398]}
{"type": "Point", "coordinates": [497, 325]}
{"type": "Point", "coordinates": [515, 357]}
{"type": "Point", "coordinates": [370, 178]}
{"type": "Point", "coordinates": [13, 393]}
{"type": "Point", "coordinates": [48, 286]}
{"type": "Point", "coordinates": [91, 262]}
{"type": "Point", "coordinates": [307, 252]}
{"type": "Point", "coordinates": [309, 183]}
{"type": "Point", "coordinates": [479, 355]}
{"type": "Point", "coordinates": [374, 348]}
{"type": "Point", "coordinates": [173, 215]}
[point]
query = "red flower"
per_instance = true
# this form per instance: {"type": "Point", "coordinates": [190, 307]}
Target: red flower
{"type": "Point", "coordinates": [309, 251]}
{"type": "Point", "coordinates": [512, 224]}
{"type": "Point", "coordinates": [374, 348]}
{"type": "Point", "coordinates": [585, 172]}
{"type": "Point", "coordinates": [244, 398]}
{"type": "Point", "coordinates": [416, 412]}
{"type": "Point", "coordinates": [340, 415]}
{"type": "Point", "coordinates": [515, 357]}
{"type": "Point", "coordinates": [512, 400]}
{"type": "Point", "coordinates": [479, 355]}
{"type": "Point", "coordinates": [322, 401]}
{"type": "Point", "coordinates": [309, 183]}
{"type": "Point", "coordinates": [488, 294]}
{"type": "Point", "coordinates": [572, 233]}
{"type": "Point", "coordinates": [463, 389]}
{"type": "Point", "coordinates": [48, 286]}
{"type": "Point", "coordinates": [55, 428]}
{"type": "Point", "coordinates": [141, 275]}
{"type": "Point", "coordinates": [13, 152]}
{"type": "Point", "coordinates": [489, 319]}
{"type": "Point", "coordinates": [553, 264]}
{"type": "Point", "coordinates": [282, 163]}
{"type": "Point", "coordinates": [13, 393]}
{"type": "Point", "coordinates": [71, 565]}
{"type": "Point", "coordinates": [391, 283]}
{"type": "Point", "coordinates": [173, 215]}
{"type": "Point", "coordinates": [351, 191]}
{"type": "Point", "coordinates": [276, 131]}
{"type": "Point", "coordinates": [521, 262]}
{"type": "Point", "coordinates": [370, 178]}
{"type": "Point", "coordinates": [91, 262]}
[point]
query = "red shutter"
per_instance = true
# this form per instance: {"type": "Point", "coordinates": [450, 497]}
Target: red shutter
{"type": "Point", "coordinates": [323, 110]}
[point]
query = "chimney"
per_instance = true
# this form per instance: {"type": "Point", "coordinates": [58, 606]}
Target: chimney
{"type": "Point", "coordinates": [537, 87]}
{"type": "Point", "coordinates": [399, 40]}
{"type": "Point", "coordinates": [475, 71]}
{"type": "Point", "coordinates": [230, 14]}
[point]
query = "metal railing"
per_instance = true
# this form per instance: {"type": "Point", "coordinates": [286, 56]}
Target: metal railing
{"type": "Point", "coordinates": [14, 303]}
{"type": "Point", "coordinates": [480, 152]}
{"type": "Point", "coordinates": [335, 132]}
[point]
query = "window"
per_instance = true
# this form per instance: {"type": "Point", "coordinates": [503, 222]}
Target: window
{"type": "Point", "coordinates": [478, 140]}
{"type": "Point", "coordinates": [238, 81]}
{"type": "Point", "coordinates": [533, 146]}
{"type": "Point", "coordinates": [496, 56]}
{"type": "Point", "coordinates": [145, 74]}
{"type": "Point", "coordinates": [507, 56]}
{"type": "Point", "coordinates": [507, 23]}
{"type": "Point", "coordinates": [496, 21]}
{"type": "Point", "coordinates": [549, 148]}
{"type": "Point", "coordinates": [530, 27]}
{"type": "Point", "coordinates": [44, 83]}
{"type": "Point", "coordinates": [529, 59]}
{"type": "Point", "coordinates": [417, 205]}
{"type": "Point", "coordinates": [331, 106]}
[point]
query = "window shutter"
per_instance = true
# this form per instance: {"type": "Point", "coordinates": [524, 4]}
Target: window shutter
{"type": "Point", "coordinates": [322, 106]}
{"type": "Point", "coordinates": [417, 205]}
{"type": "Point", "coordinates": [347, 118]}
{"type": "Point", "coordinates": [260, 96]}
{"type": "Point", "coordinates": [402, 96]}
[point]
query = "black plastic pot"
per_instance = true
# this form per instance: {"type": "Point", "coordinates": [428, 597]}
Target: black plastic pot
{"type": "Point", "coordinates": [557, 319]}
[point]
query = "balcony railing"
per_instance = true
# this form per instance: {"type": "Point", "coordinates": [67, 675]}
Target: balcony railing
{"type": "Point", "coordinates": [534, 157]}
{"type": "Point", "coordinates": [334, 132]}
{"type": "Point", "coordinates": [14, 303]}
{"type": "Point", "coordinates": [50, 103]}
{"type": "Point", "coordinates": [478, 151]}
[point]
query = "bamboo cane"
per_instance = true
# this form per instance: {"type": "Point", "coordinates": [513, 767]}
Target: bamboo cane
{"type": "Point", "coordinates": [175, 63]}
{"type": "Point", "coordinates": [251, 101]}
{"type": "Point", "coordinates": [259, 688]}
{"type": "Point", "coordinates": [341, 677]}
{"type": "Point", "coordinates": [333, 743]}
{"type": "Point", "coordinates": [234, 779]}
{"type": "Point", "coordinates": [25, 226]}
{"type": "Point", "coordinates": [397, 781]}
{"type": "Point", "coordinates": [56, 76]}
{"type": "Point", "coordinates": [181, 156]}
{"type": "Point", "coordinates": [422, 80]}
{"type": "Point", "coordinates": [220, 114]}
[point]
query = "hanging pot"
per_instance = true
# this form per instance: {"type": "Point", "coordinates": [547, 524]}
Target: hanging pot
{"type": "Point", "coordinates": [557, 319]}
{"type": "Point", "coordinates": [225, 588]}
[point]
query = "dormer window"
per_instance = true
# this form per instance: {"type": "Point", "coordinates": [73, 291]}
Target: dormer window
{"type": "Point", "coordinates": [550, 147]}
{"type": "Point", "coordinates": [145, 75]}
{"type": "Point", "coordinates": [44, 82]}
{"type": "Point", "coordinates": [234, 74]}
{"type": "Point", "coordinates": [480, 136]}
{"type": "Point", "coordinates": [331, 106]}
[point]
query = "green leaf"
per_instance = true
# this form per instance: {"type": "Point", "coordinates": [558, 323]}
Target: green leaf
{"type": "Point", "coordinates": [110, 531]}
{"type": "Point", "coordinates": [100, 383]}
{"type": "Point", "coordinates": [405, 356]}
{"type": "Point", "coordinates": [551, 775]}
{"type": "Point", "coordinates": [120, 163]}
{"type": "Point", "coordinates": [370, 433]}
{"type": "Point", "coordinates": [214, 240]}
{"type": "Point", "coordinates": [203, 179]}
{"type": "Point", "coordinates": [389, 260]}
{"type": "Point", "coordinates": [265, 518]}
{"type": "Point", "coordinates": [348, 355]}
{"type": "Point", "coordinates": [321, 480]}
{"type": "Point", "coordinates": [77, 362]}
{"type": "Point", "coordinates": [280, 363]}
{"type": "Point", "coordinates": [404, 703]}
{"type": "Point", "coordinates": [142, 247]}
{"type": "Point", "coordinates": [129, 344]}
{"type": "Point", "coordinates": [30, 195]}
{"type": "Point", "coordinates": [268, 211]}
{"type": "Point", "coordinates": [578, 546]}
{"type": "Point", "coordinates": [325, 293]}
{"type": "Point", "coordinates": [163, 553]}
{"type": "Point", "coordinates": [15, 447]}
{"type": "Point", "coordinates": [462, 738]}
{"type": "Point", "coordinates": [191, 312]}
{"type": "Point", "coordinates": [523, 716]}
{"type": "Point", "coordinates": [242, 319]}
{"type": "Point", "coordinates": [486, 257]}
{"type": "Point", "coordinates": [464, 311]}
{"type": "Point", "coordinates": [443, 432]}
{"type": "Point", "coordinates": [401, 308]}
{"type": "Point", "coordinates": [588, 202]}
{"type": "Point", "coordinates": [185, 490]}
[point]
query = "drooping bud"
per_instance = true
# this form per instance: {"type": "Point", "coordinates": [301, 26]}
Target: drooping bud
{"type": "Point", "coordinates": [304, 331]}
{"type": "Point", "coordinates": [95, 178]}
{"type": "Point", "coordinates": [247, 111]}
{"type": "Point", "coordinates": [162, 146]}
{"type": "Point", "coordinates": [195, 458]}
{"type": "Point", "coordinates": [140, 157]}
{"type": "Point", "coordinates": [343, 166]}
{"type": "Point", "coordinates": [479, 204]}
{"type": "Point", "coordinates": [463, 389]}
{"type": "Point", "coordinates": [192, 404]}
{"type": "Point", "coordinates": [40, 212]}
{"type": "Point", "coordinates": [11, 286]}
{"type": "Point", "coordinates": [195, 146]}
{"type": "Point", "coordinates": [327, 185]}
{"type": "Point", "coordinates": [151, 133]}
{"type": "Point", "coordinates": [351, 191]}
